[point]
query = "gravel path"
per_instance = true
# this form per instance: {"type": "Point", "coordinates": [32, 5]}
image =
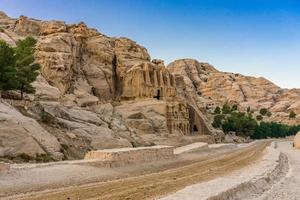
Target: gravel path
{"type": "Point", "coordinates": [161, 183]}
{"type": "Point", "coordinates": [288, 188]}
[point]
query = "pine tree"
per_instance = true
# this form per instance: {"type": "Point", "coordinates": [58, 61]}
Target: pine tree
{"type": "Point", "coordinates": [26, 67]}
{"type": "Point", "coordinates": [7, 70]}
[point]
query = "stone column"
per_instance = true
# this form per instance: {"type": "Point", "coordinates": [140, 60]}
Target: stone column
{"type": "Point", "coordinates": [161, 78]}
{"type": "Point", "coordinates": [155, 78]}
{"type": "Point", "coordinates": [147, 77]}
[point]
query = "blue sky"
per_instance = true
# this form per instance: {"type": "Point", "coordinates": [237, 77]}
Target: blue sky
{"type": "Point", "coordinates": [252, 37]}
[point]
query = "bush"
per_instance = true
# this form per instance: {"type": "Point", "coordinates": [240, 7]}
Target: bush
{"type": "Point", "coordinates": [274, 130]}
{"type": "Point", "coordinates": [47, 118]}
{"type": "Point", "coordinates": [243, 124]}
{"type": "Point", "coordinates": [42, 158]}
{"type": "Point", "coordinates": [226, 109]}
{"type": "Point", "coordinates": [263, 111]}
{"type": "Point", "coordinates": [292, 115]}
{"type": "Point", "coordinates": [259, 117]}
{"type": "Point", "coordinates": [269, 114]}
{"type": "Point", "coordinates": [234, 108]}
{"type": "Point", "coordinates": [218, 120]}
{"type": "Point", "coordinates": [217, 110]}
{"type": "Point", "coordinates": [240, 123]}
{"type": "Point", "coordinates": [248, 109]}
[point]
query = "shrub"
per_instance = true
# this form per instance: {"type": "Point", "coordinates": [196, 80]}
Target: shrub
{"type": "Point", "coordinates": [217, 110]}
{"type": "Point", "coordinates": [226, 109]}
{"type": "Point", "coordinates": [259, 117]}
{"type": "Point", "coordinates": [248, 109]}
{"type": "Point", "coordinates": [218, 120]}
{"type": "Point", "coordinates": [47, 118]}
{"type": "Point", "coordinates": [263, 111]}
{"type": "Point", "coordinates": [292, 115]}
{"type": "Point", "coordinates": [43, 158]}
{"type": "Point", "coordinates": [240, 123]}
{"type": "Point", "coordinates": [234, 107]}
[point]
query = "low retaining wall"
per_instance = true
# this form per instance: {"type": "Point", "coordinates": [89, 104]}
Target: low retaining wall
{"type": "Point", "coordinates": [125, 156]}
{"type": "Point", "coordinates": [191, 148]}
{"type": "Point", "coordinates": [4, 167]}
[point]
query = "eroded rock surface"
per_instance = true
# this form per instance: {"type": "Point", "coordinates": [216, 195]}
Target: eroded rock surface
{"type": "Point", "coordinates": [217, 88]}
{"type": "Point", "coordinates": [97, 92]}
{"type": "Point", "coordinates": [20, 134]}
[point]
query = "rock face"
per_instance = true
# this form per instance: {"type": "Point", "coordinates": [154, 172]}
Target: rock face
{"type": "Point", "coordinates": [97, 92]}
{"type": "Point", "coordinates": [148, 80]}
{"type": "Point", "coordinates": [297, 141]}
{"type": "Point", "coordinates": [216, 88]}
{"type": "Point", "coordinates": [20, 134]}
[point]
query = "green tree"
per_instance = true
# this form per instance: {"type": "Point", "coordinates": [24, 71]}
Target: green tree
{"type": "Point", "coordinates": [292, 115]}
{"type": "Point", "coordinates": [217, 110]}
{"type": "Point", "coordinates": [218, 120]}
{"type": "Point", "coordinates": [269, 114]}
{"type": "Point", "coordinates": [7, 70]}
{"type": "Point", "coordinates": [240, 123]}
{"type": "Point", "coordinates": [26, 67]}
{"type": "Point", "coordinates": [226, 109]}
{"type": "Point", "coordinates": [263, 111]}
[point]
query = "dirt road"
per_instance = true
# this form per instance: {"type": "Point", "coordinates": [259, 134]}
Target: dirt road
{"type": "Point", "coordinates": [288, 187]}
{"type": "Point", "coordinates": [159, 184]}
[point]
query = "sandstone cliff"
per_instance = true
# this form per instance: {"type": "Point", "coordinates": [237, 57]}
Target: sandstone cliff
{"type": "Point", "coordinates": [97, 92]}
{"type": "Point", "coordinates": [212, 87]}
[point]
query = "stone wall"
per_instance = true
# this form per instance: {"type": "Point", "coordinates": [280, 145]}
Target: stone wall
{"type": "Point", "coordinates": [125, 156]}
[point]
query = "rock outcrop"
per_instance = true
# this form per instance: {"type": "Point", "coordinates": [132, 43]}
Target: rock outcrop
{"type": "Point", "coordinates": [22, 135]}
{"type": "Point", "coordinates": [213, 88]}
{"type": "Point", "coordinates": [296, 143]}
{"type": "Point", "coordinates": [97, 92]}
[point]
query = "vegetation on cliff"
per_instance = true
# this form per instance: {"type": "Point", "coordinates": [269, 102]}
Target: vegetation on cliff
{"type": "Point", "coordinates": [18, 68]}
{"type": "Point", "coordinates": [229, 119]}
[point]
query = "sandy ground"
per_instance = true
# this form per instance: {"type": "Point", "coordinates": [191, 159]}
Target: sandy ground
{"type": "Point", "coordinates": [288, 188]}
{"type": "Point", "coordinates": [245, 183]}
{"type": "Point", "coordinates": [24, 178]}
{"type": "Point", "coordinates": [162, 180]}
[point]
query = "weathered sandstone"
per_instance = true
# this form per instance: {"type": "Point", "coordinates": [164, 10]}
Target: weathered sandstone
{"type": "Point", "coordinates": [216, 88]}
{"type": "Point", "coordinates": [297, 141]}
{"type": "Point", "coordinates": [97, 92]}
{"type": "Point", "coordinates": [20, 134]}
{"type": "Point", "coordinates": [132, 155]}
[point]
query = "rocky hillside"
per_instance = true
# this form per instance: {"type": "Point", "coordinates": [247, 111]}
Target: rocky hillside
{"type": "Point", "coordinates": [213, 87]}
{"type": "Point", "coordinates": [97, 92]}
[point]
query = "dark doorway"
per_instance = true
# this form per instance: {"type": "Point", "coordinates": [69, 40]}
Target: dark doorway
{"type": "Point", "coordinates": [195, 128]}
{"type": "Point", "coordinates": [157, 95]}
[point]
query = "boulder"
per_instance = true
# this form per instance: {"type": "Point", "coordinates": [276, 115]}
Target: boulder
{"type": "Point", "coordinates": [44, 91]}
{"type": "Point", "coordinates": [297, 141]}
{"type": "Point", "coordinates": [22, 135]}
